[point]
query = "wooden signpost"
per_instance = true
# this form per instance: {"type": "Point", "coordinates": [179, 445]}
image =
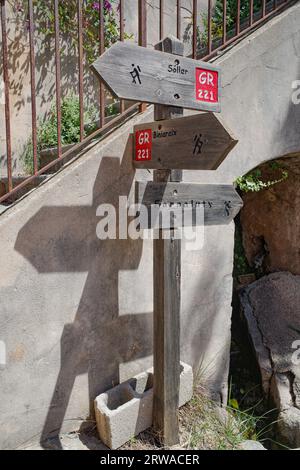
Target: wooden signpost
{"type": "Point", "coordinates": [135, 73]}
{"type": "Point", "coordinates": [221, 203]}
{"type": "Point", "coordinates": [200, 142]}
{"type": "Point", "coordinates": [167, 295]}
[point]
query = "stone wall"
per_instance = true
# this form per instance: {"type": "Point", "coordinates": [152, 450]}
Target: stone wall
{"type": "Point", "coordinates": [271, 309]}
{"type": "Point", "coordinates": [270, 220]}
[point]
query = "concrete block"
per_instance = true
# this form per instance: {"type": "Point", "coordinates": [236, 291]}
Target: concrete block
{"type": "Point", "coordinates": [126, 410]}
{"type": "Point", "coordinates": [186, 383]}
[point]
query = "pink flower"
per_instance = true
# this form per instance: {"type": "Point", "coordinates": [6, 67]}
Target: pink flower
{"type": "Point", "coordinates": [107, 5]}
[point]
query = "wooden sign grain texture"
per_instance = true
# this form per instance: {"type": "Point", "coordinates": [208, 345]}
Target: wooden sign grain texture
{"type": "Point", "coordinates": [141, 74]}
{"type": "Point", "coordinates": [221, 203]}
{"type": "Point", "coordinates": [198, 142]}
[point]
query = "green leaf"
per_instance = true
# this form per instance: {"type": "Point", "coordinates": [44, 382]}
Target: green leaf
{"type": "Point", "coordinates": [234, 403]}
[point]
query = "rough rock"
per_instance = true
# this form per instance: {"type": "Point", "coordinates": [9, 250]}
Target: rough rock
{"type": "Point", "coordinates": [271, 307]}
{"type": "Point", "coordinates": [252, 445]}
{"type": "Point", "coordinates": [289, 426]}
{"type": "Point", "coordinates": [271, 220]}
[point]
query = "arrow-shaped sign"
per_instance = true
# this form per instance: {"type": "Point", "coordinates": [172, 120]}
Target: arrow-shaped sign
{"type": "Point", "coordinates": [199, 142]}
{"type": "Point", "coordinates": [136, 73]}
{"type": "Point", "coordinates": [220, 203]}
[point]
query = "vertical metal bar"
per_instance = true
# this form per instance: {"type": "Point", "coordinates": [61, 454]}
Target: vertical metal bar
{"type": "Point", "coordinates": [275, 5]}
{"type": "Point", "coordinates": [251, 12]}
{"type": "Point", "coordinates": [101, 51]}
{"type": "Point", "coordinates": [142, 23]}
{"type": "Point", "coordinates": [80, 65]}
{"type": "Point", "coordinates": [195, 14]}
{"type": "Point", "coordinates": [33, 91]}
{"type": "Point", "coordinates": [224, 21]}
{"type": "Point", "coordinates": [238, 17]}
{"type": "Point", "coordinates": [179, 19]}
{"type": "Point", "coordinates": [58, 76]}
{"type": "Point", "coordinates": [209, 41]}
{"type": "Point", "coordinates": [142, 13]}
{"type": "Point", "coordinates": [161, 19]}
{"type": "Point", "coordinates": [121, 12]}
{"type": "Point", "coordinates": [6, 92]}
{"type": "Point", "coordinates": [264, 8]}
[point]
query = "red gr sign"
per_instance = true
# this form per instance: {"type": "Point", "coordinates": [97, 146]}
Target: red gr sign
{"type": "Point", "coordinates": [143, 145]}
{"type": "Point", "coordinates": [207, 85]}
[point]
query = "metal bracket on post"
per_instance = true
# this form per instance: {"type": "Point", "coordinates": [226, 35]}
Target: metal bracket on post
{"type": "Point", "coordinates": [167, 277]}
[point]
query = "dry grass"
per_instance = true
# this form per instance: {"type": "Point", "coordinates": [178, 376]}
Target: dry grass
{"type": "Point", "coordinates": [203, 426]}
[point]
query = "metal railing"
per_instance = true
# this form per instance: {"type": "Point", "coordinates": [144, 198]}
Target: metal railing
{"type": "Point", "coordinates": [223, 22]}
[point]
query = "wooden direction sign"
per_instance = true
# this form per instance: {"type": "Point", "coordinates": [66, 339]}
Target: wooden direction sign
{"type": "Point", "coordinates": [199, 142]}
{"type": "Point", "coordinates": [221, 203]}
{"type": "Point", "coordinates": [136, 73]}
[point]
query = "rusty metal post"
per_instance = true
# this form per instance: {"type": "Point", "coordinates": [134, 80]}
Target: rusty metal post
{"type": "Point", "coordinates": [6, 93]}
{"type": "Point", "coordinates": [58, 76]}
{"type": "Point", "coordinates": [142, 13]}
{"type": "Point", "coordinates": [101, 51]}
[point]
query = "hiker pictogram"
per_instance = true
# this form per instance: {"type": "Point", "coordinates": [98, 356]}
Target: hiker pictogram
{"type": "Point", "coordinates": [135, 73]}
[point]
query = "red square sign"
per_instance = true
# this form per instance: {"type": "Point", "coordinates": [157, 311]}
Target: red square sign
{"type": "Point", "coordinates": [207, 85]}
{"type": "Point", "coordinates": [143, 145]}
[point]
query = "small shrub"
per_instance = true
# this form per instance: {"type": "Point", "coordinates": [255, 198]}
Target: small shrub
{"type": "Point", "coordinates": [253, 181]}
{"type": "Point", "coordinates": [70, 128]}
{"type": "Point", "coordinates": [231, 19]}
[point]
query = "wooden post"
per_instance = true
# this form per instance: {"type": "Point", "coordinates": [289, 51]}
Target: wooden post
{"type": "Point", "coordinates": [167, 276]}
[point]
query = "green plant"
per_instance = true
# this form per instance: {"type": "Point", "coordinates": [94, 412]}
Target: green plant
{"type": "Point", "coordinates": [231, 12]}
{"type": "Point", "coordinates": [250, 424]}
{"type": "Point", "coordinates": [111, 109]}
{"type": "Point", "coordinates": [216, 31]}
{"type": "Point", "coordinates": [231, 19]}
{"type": "Point", "coordinates": [253, 181]}
{"type": "Point", "coordinates": [70, 128]}
{"type": "Point", "coordinates": [205, 428]}
{"type": "Point", "coordinates": [68, 22]}
{"type": "Point", "coordinates": [251, 427]}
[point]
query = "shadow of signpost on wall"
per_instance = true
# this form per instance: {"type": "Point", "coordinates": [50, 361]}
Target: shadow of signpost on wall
{"type": "Point", "coordinates": [98, 340]}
